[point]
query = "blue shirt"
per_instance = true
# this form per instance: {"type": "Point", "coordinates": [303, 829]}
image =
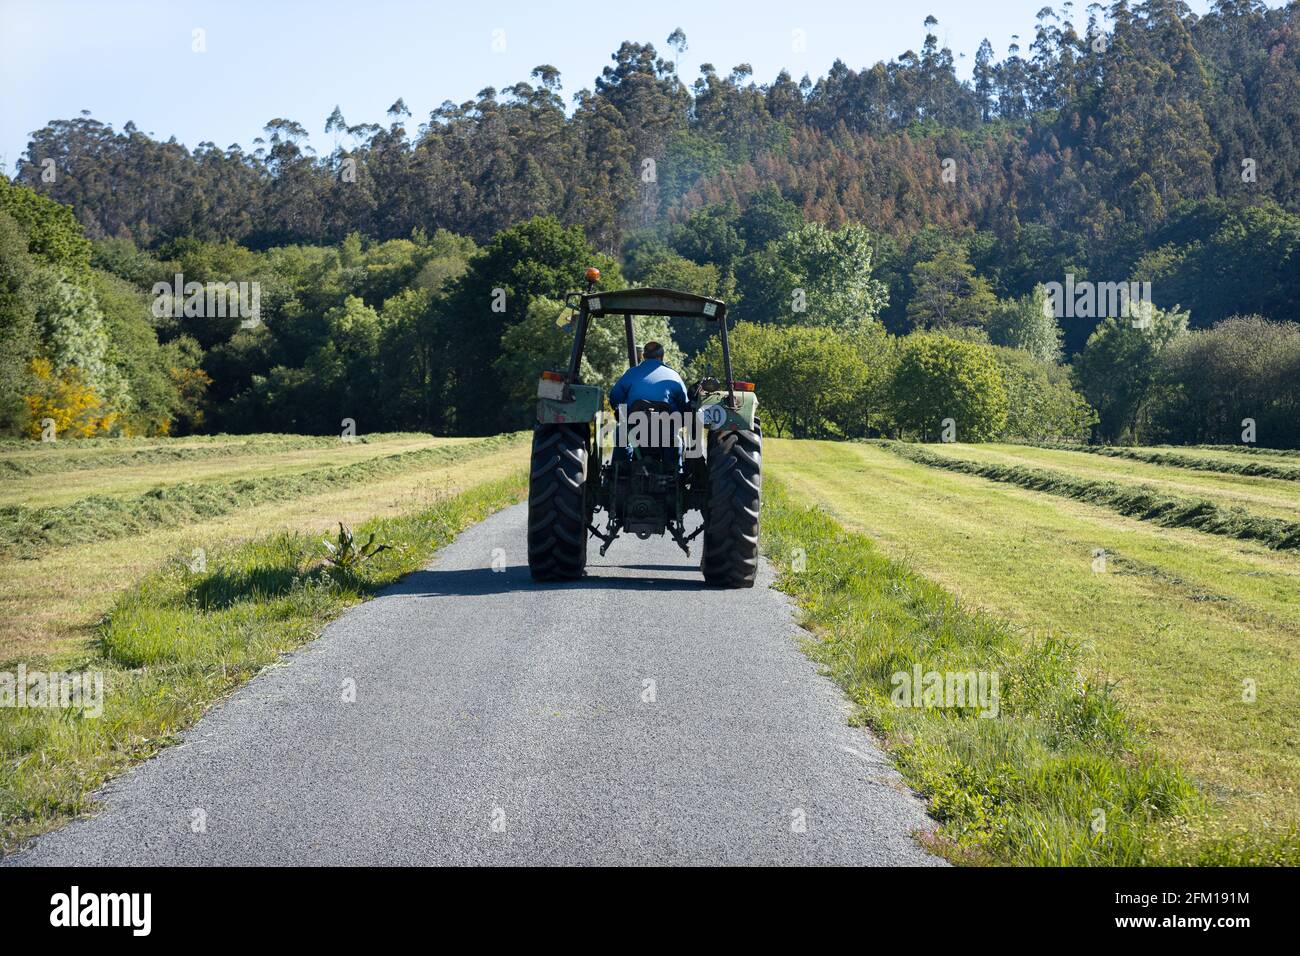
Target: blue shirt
{"type": "Point", "coordinates": [652, 381]}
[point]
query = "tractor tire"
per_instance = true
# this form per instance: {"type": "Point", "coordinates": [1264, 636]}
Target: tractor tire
{"type": "Point", "coordinates": [557, 507]}
{"type": "Point", "coordinates": [730, 558]}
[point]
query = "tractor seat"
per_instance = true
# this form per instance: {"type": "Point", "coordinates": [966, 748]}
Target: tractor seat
{"type": "Point", "coordinates": [651, 410]}
{"type": "Point", "coordinates": [645, 405]}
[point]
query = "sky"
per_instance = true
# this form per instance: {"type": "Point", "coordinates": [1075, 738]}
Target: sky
{"type": "Point", "coordinates": [134, 60]}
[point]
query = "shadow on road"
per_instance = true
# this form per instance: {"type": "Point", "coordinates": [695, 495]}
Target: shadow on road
{"type": "Point", "coordinates": [435, 583]}
{"type": "Point", "coordinates": [695, 567]}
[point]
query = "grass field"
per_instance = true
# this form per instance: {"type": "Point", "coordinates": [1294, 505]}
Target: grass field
{"type": "Point", "coordinates": [1179, 620]}
{"type": "Point", "coordinates": [117, 475]}
{"type": "Point", "coordinates": [50, 603]}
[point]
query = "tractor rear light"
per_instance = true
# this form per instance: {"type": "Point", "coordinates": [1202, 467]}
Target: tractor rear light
{"type": "Point", "coordinates": [552, 385]}
{"type": "Point", "coordinates": [743, 386]}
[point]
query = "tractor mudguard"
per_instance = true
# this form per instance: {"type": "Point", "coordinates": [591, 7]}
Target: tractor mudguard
{"type": "Point", "coordinates": [715, 415]}
{"type": "Point", "coordinates": [585, 402]}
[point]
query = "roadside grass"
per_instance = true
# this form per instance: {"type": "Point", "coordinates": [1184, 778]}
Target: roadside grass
{"type": "Point", "coordinates": [1061, 776]}
{"type": "Point", "coordinates": [27, 532]}
{"type": "Point", "coordinates": [1230, 465]}
{"type": "Point", "coordinates": [49, 604]}
{"type": "Point", "coordinates": [1139, 501]}
{"type": "Point", "coordinates": [179, 641]}
{"type": "Point", "coordinates": [1177, 621]}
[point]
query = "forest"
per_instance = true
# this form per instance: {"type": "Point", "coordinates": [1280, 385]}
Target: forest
{"type": "Point", "coordinates": [887, 239]}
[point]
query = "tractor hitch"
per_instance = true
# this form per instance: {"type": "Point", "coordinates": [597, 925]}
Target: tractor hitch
{"type": "Point", "coordinates": [611, 533]}
{"type": "Point", "coordinates": [683, 541]}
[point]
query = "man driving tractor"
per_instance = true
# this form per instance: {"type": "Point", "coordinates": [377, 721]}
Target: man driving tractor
{"type": "Point", "coordinates": [650, 381]}
{"type": "Point", "coordinates": [649, 386]}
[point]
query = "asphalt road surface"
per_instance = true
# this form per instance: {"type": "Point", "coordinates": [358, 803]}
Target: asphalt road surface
{"type": "Point", "coordinates": [635, 717]}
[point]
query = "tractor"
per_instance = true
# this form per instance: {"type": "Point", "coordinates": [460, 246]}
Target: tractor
{"type": "Point", "coordinates": [648, 467]}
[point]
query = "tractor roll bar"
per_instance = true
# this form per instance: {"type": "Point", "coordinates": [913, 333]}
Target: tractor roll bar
{"type": "Point", "coordinates": [630, 302]}
{"type": "Point", "coordinates": [579, 340]}
{"type": "Point", "coordinates": [726, 363]}
{"type": "Point", "coordinates": [631, 340]}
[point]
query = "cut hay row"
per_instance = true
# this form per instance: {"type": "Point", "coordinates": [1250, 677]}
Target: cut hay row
{"type": "Point", "coordinates": [1134, 501]}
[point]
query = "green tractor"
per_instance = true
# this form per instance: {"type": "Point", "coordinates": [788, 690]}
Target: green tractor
{"type": "Point", "coordinates": [649, 467]}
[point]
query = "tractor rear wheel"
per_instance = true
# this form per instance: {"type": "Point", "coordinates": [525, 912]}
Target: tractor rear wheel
{"type": "Point", "coordinates": [557, 507]}
{"type": "Point", "coordinates": [731, 523]}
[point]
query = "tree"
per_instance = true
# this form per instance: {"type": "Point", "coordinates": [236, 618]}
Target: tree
{"type": "Point", "coordinates": [183, 359]}
{"type": "Point", "coordinates": [865, 412]}
{"type": "Point", "coordinates": [938, 378]}
{"type": "Point", "coordinates": [1212, 380]}
{"type": "Point", "coordinates": [768, 217]}
{"type": "Point", "coordinates": [677, 40]}
{"type": "Point", "coordinates": [1040, 402]}
{"type": "Point", "coordinates": [133, 349]}
{"type": "Point", "coordinates": [63, 398]}
{"type": "Point", "coordinates": [813, 276]}
{"type": "Point", "coordinates": [983, 77]}
{"type": "Point", "coordinates": [410, 357]}
{"type": "Point", "coordinates": [347, 364]}
{"type": "Point", "coordinates": [710, 235]}
{"type": "Point", "coordinates": [644, 89]}
{"type": "Point", "coordinates": [53, 234]}
{"type": "Point", "coordinates": [1027, 323]}
{"type": "Point", "coordinates": [947, 292]}
{"type": "Point", "coordinates": [1228, 261]}
{"type": "Point", "coordinates": [71, 331]}
{"type": "Point", "coordinates": [17, 324]}
{"type": "Point", "coordinates": [1118, 368]}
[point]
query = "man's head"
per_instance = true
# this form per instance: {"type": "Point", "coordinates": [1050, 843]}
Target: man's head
{"type": "Point", "coordinates": [652, 352]}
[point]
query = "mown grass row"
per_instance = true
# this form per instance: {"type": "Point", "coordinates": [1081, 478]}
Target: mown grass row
{"type": "Point", "coordinates": [1135, 501]}
{"type": "Point", "coordinates": [60, 458]}
{"type": "Point", "coordinates": [1178, 459]}
{"type": "Point", "coordinates": [27, 532]}
{"type": "Point", "coordinates": [1061, 776]}
{"type": "Point", "coordinates": [179, 641]}
{"type": "Point", "coordinates": [1250, 450]}
{"type": "Point", "coordinates": [8, 445]}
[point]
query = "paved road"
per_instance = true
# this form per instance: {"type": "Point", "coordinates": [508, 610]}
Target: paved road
{"type": "Point", "coordinates": [633, 717]}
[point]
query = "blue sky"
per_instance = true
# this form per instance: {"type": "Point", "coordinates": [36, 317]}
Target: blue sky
{"type": "Point", "coordinates": [132, 59]}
